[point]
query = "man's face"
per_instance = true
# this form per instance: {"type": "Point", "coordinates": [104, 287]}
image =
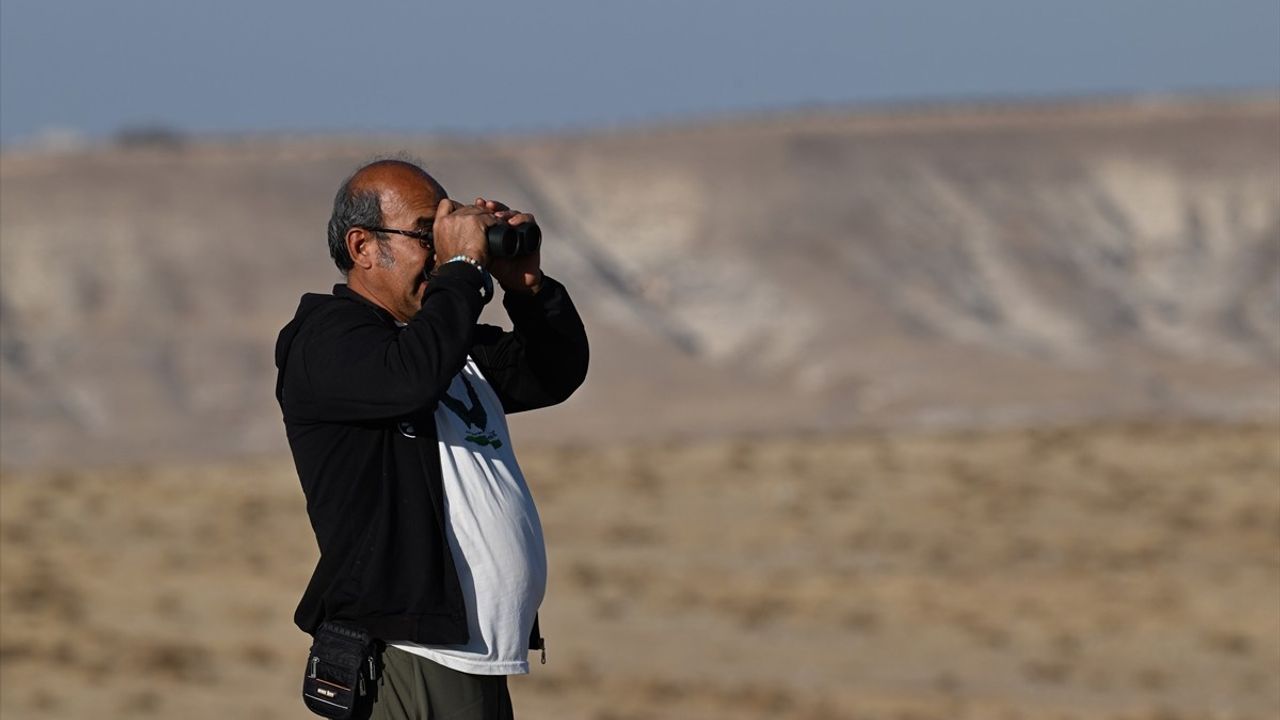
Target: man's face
{"type": "Point", "coordinates": [399, 273]}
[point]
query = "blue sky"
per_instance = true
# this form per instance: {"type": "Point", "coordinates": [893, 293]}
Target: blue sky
{"type": "Point", "coordinates": [238, 66]}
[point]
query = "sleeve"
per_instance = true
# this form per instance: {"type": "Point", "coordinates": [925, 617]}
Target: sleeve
{"type": "Point", "coordinates": [543, 360]}
{"type": "Point", "coordinates": [353, 366]}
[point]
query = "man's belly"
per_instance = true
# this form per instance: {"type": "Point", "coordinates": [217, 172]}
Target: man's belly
{"type": "Point", "coordinates": [493, 529]}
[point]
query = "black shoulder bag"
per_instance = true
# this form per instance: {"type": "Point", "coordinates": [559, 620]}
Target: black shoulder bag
{"type": "Point", "coordinates": [342, 661]}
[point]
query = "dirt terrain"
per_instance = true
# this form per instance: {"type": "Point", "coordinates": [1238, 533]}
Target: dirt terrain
{"type": "Point", "coordinates": [1108, 572]}
{"type": "Point", "coordinates": [944, 413]}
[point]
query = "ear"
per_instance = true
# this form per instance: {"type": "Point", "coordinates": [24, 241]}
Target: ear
{"type": "Point", "coordinates": [360, 247]}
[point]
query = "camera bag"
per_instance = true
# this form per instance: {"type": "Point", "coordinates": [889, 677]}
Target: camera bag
{"type": "Point", "coordinates": [342, 661]}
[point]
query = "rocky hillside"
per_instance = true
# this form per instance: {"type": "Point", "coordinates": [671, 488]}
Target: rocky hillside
{"type": "Point", "coordinates": [951, 266]}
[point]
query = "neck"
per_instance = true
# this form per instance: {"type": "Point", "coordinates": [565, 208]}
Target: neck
{"type": "Point", "coordinates": [362, 288]}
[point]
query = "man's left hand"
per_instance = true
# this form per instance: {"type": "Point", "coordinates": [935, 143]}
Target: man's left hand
{"type": "Point", "coordinates": [520, 274]}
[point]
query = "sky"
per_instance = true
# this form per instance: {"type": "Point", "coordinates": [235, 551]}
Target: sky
{"type": "Point", "coordinates": [93, 68]}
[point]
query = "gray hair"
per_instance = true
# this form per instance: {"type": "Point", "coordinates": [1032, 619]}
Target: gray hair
{"type": "Point", "coordinates": [351, 209]}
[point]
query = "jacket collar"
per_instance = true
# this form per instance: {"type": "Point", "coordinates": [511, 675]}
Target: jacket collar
{"type": "Point", "coordinates": [342, 291]}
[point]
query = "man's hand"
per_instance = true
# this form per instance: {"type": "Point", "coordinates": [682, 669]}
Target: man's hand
{"type": "Point", "coordinates": [520, 274]}
{"type": "Point", "coordinates": [460, 230]}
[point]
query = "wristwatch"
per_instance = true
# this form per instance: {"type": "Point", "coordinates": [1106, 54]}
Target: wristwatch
{"type": "Point", "coordinates": [486, 292]}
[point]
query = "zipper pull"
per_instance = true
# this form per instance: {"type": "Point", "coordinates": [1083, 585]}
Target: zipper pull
{"type": "Point", "coordinates": [371, 670]}
{"type": "Point", "coordinates": [314, 662]}
{"type": "Point", "coordinates": [544, 651]}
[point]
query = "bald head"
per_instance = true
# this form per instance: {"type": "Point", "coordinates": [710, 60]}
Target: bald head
{"type": "Point", "coordinates": [393, 176]}
{"type": "Point", "coordinates": [379, 188]}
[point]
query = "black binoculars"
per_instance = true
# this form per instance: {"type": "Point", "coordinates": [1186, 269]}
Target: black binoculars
{"type": "Point", "coordinates": [512, 240]}
{"type": "Point", "coordinates": [504, 240]}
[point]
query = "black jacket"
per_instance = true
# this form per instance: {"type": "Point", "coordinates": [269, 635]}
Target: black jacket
{"type": "Point", "coordinates": [348, 376]}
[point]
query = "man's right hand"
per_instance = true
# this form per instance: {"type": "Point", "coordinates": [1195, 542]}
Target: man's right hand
{"type": "Point", "coordinates": [460, 230]}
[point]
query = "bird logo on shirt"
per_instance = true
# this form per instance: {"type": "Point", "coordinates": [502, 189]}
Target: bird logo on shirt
{"type": "Point", "coordinates": [473, 415]}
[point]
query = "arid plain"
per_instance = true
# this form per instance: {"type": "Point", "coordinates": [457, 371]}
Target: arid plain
{"type": "Point", "coordinates": [1114, 572]}
{"type": "Point", "coordinates": [944, 413]}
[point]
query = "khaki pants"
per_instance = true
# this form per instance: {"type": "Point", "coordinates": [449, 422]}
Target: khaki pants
{"type": "Point", "coordinates": [412, 687]}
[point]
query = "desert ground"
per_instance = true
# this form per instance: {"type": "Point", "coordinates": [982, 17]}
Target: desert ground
{"type": "Point", "coordinates": [1113, 571]}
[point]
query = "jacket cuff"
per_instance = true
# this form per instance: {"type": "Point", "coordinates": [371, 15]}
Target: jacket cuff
{"type": "Point", "coordinates": [463, 278]}
{"type": "Point", "coordinates": [461, 270]}
{"type": "Point", "coordinates": [547, 296]}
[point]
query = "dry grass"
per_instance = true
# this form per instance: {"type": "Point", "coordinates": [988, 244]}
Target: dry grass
{"type": "Point", "coordinates": [1112, 572]}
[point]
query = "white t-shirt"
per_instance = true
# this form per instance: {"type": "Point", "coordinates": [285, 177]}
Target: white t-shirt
{"type": "Point", "coordinates": [493, 531]}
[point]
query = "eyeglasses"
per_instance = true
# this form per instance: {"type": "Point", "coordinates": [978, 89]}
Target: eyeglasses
{"type": "Point", "coordinates": [422, 236]}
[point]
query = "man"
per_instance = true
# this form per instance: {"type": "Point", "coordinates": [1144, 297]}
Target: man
{"type": "Point", "coordinates": [394, 401]}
